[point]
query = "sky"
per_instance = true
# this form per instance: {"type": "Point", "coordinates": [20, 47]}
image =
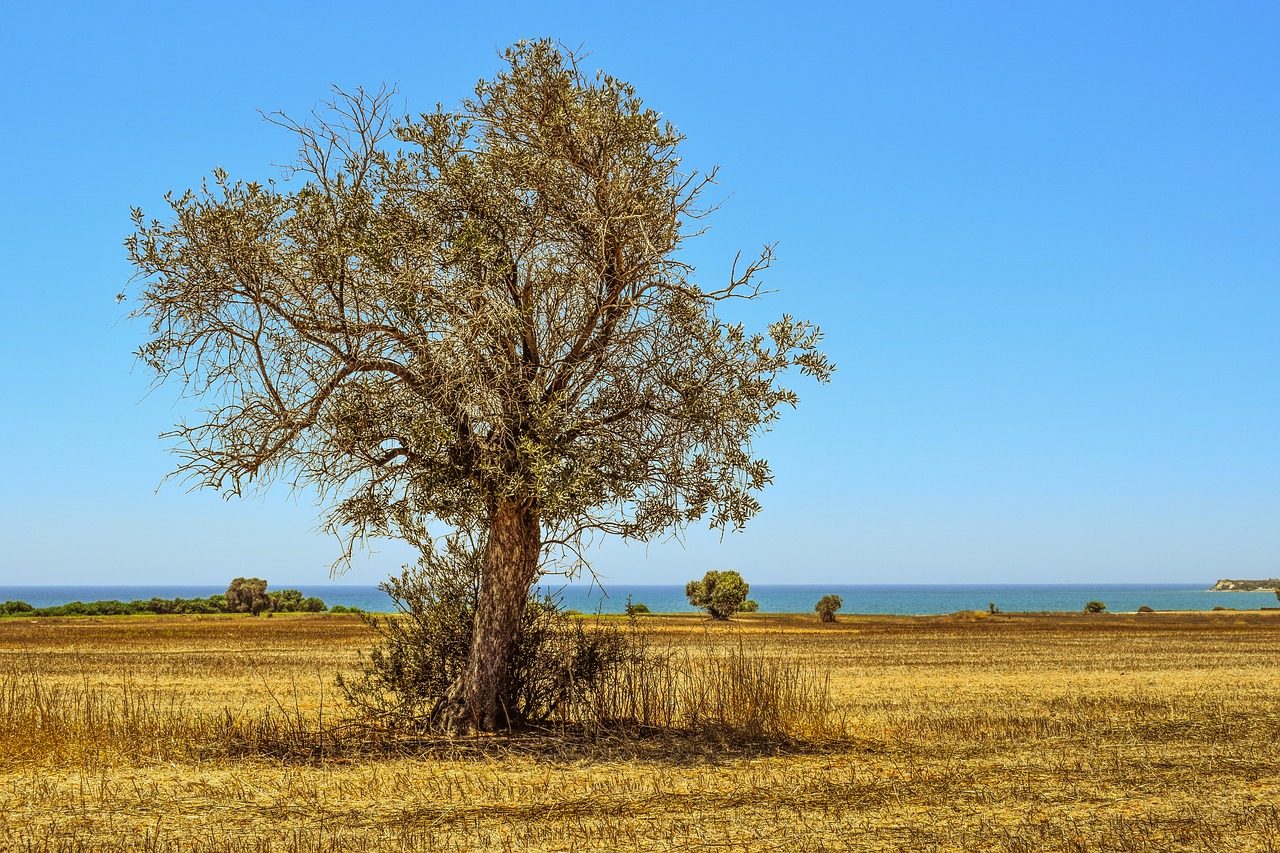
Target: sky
{"type": "Point", "coordinates": [1042, 241]}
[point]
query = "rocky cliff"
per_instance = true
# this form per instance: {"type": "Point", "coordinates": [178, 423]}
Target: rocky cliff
{"type": "Point", "coordinates": [1245, 586]}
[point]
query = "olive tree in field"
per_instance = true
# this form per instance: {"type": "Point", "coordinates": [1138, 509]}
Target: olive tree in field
{"type": "Point", "coordinates": [721, 594]}
{"type": "Point", "coordinates": [479, 317]}
{"type": "Point", "coordinates": [827, 606]}
{"type": "Point", "coordinates": [248, 595]}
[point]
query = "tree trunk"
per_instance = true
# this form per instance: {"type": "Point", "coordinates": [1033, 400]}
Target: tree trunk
{"type": "Point", "coordinates": [477, 701]}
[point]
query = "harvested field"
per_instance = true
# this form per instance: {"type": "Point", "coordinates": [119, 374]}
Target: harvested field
{"type": "Point", "coordinates": [1152, 732]}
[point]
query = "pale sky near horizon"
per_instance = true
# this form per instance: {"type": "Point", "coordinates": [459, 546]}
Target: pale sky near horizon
{"type": "Point", "coordinates": [1043, 241]}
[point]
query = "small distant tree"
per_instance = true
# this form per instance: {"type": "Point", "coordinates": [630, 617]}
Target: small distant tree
{"type": "Point", "coordinates": [1095, 607]}
{"type": "Point", "coordinates": [636, 609]}
{"type": "Point", "coordinates": [248, 595]}
{"type": "Point", "coordinates": [827, 607]}
{"type": "Point", "coordinates": [721, 594]}
{"type": "Point", "coordinates": [1278, 594]}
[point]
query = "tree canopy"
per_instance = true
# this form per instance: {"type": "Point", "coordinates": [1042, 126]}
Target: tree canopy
{"type": "Point", "coordinates": [721, 594]}
{"type": "Point", "coordinates": [827, 606]}
{"type": "Point", "coordinates": [477, 316]}
{"type": "Point", "coordinates": [248, 595]}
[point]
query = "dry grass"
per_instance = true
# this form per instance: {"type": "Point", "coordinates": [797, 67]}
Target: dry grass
{"type": "Point", "coordinates": [1018, 733]}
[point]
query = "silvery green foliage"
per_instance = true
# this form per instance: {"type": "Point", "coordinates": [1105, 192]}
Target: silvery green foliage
{"type": "Point", "coordinates": [436, 315]}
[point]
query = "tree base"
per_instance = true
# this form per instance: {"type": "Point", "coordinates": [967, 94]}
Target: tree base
{"type": "Point", "coordinates": [452, 713]}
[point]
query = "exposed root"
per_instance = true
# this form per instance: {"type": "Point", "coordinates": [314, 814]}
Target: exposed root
{"type": "Point", "coordinates": [451, 713]}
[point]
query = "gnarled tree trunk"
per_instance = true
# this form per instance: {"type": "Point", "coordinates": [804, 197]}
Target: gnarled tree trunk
{"type": "Point", "coordinates": [476, 701]}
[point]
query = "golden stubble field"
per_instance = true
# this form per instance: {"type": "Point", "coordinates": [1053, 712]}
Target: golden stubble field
{"type": "Point", "coordinates": [1154, 732]}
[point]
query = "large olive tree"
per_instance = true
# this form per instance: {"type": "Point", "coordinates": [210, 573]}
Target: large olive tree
{"type": "Point", "coordinates": [478, 317]}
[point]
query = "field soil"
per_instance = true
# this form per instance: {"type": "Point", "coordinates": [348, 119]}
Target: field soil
{"type": "Point", "coordinates": [1071, 732]}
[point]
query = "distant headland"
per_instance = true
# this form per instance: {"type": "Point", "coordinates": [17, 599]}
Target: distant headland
{"type": "Point", "coordinates": [1226, 585]}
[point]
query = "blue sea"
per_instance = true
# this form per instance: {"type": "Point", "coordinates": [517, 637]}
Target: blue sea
{"type": "Point", "coordinates": [902, 599]}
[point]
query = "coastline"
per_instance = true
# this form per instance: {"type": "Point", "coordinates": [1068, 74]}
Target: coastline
{"type": "Point", "coordinates": [1231, 585]}
{"type": "Point", "coordinates": [869, 599]}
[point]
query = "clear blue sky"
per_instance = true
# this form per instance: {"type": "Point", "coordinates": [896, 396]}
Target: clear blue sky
{"type": "Point", "coordinates": [1043, 241]}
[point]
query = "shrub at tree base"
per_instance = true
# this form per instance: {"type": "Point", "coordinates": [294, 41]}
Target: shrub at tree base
{"type": "Point", "coordinates": [423, 651]}
{"type": "Point", "coordinates": [569, 672]}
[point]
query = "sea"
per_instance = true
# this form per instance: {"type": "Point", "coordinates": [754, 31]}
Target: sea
{"type": "Point", "coordinates": [901, 599]}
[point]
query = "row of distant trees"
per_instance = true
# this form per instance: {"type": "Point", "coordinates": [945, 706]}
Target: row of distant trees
{"type": "Point", "coordinates": [723, 594]}
{"type": "Point", "coordinates": [244, 595]}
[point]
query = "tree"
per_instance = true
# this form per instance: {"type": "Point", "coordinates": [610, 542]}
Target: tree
{"type": "Point", "coordinates": [827, 607]}
{"type": "Point", "coordinates": [721, 594]}
{"type": "Point", "coordinates": [1095, 607]}
{"type": "Point", "coordinates": [248, 595]}
{"type": "Point", "coordinates": [490, 327]}
{"type": "Point", "coordinates": [285, 600]}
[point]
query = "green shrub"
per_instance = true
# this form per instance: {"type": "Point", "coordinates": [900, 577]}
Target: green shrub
{"type": "Point", "coordinates": [827, 607]}
{"type": "Point", "coordinates": [13, 608]}
{"type": "Point", "coordinates": [285, 601]}
{"type": "Point", "coordinates": [198, 606]}
{"type": "Point", "coordinates": [1095, 607]}
{"type": "Point", "coordinates": [635, 609]}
